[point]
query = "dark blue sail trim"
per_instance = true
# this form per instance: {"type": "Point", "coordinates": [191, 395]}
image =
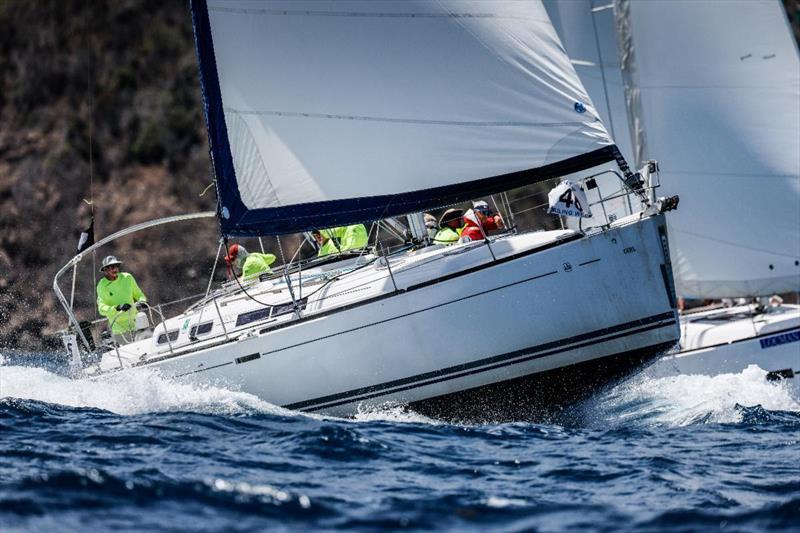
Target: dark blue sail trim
{"type": "Point", "coordinates": [237, 220]}
{"type": "Point", "coordinates": [304, 217]}
{"type": "Point", "coordinates": [219, 147]}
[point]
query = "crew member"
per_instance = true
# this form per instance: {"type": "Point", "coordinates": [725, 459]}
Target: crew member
{"type": "Point", "coordinates": [250, 264]}
{"type": "Point", "coordinates": [479, 221]}
{"type": "Point", "coordinates": [118, 298]}
{"type": "Point", "coordinates": [341, 239]}
{"type": "Point", "coordinates": [431, 226]}
{"type": "Point", "coordinates": [450, 223]}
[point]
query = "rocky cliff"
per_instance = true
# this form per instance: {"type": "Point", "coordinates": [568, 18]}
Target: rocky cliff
{"type": "Point", "coordinates": [100, 103]}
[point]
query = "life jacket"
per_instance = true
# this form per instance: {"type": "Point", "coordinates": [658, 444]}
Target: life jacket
{"type": "Point", "coordinates": [343, 238]}
{"type": "Point", "coordinates": [447, 235]}
{"type": "Point", "coordinates": [257, 264]}
{"type": "Point", "coordinates": [110, 294]}
{"type": "Point", "coordinates": [471, 230]}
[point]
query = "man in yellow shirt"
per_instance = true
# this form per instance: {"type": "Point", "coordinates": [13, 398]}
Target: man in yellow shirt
{"type": "Point", "coordinates": [341, 239]}
{"type": "Point", "coordinates": [119, 298]}
{"type": "Point", "coordinates": [250, 264]}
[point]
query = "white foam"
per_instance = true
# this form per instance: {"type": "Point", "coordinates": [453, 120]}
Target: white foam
{"type": "Point", "coordinates": [392, 412]}
{"type": "Point", "coordinates": [128, 393]}
{"type": "Point", "coordinates": [688, 399]}
{"type": "Point", "coordinates": [498, 502]}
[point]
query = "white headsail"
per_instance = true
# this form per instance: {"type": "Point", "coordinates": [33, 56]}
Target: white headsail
{"type": "Point", "coordinates": [324, 113]}
{"type": "Point", "coordinates": [715, 90]}
{"type": "Point", "coordinates": [588, 31]}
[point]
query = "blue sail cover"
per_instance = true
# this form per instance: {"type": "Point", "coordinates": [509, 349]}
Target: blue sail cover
{"type": "Point", "coordinates": [323, 114]}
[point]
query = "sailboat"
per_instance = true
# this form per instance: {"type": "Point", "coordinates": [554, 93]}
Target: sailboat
{"type": "Point", "coordinates": [714, 90]}
{"type": "Point", "coordinates": [335, 113]}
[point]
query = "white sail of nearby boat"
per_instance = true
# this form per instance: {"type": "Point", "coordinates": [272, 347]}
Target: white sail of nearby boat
{"type": "Point", "coordinates": [716, 88]}
{"type": "Point", "coordinates": [713, 90]}
{"type": "Point", "coordinates": [716, 92]}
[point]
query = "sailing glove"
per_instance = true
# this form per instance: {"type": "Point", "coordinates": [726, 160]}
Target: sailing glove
{"type": "Point", "coordinates": [123, 307]}
{"type": "Point", "coordinates": [141, 306]}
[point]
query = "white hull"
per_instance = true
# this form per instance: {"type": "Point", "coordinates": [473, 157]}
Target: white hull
{"type": "Point", "coordinates": [729, 340]}
{"type": "Point", "coordinates": [459, 321]}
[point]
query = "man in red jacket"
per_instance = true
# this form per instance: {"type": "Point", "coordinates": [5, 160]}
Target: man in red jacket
{"type": "Point", "coordinates": [480, 220]}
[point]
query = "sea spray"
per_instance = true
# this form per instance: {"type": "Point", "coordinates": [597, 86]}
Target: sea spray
{"type": "Point", "coordinates": [690, 399]}
{"type": "Point", "coordinates": [128, 393]}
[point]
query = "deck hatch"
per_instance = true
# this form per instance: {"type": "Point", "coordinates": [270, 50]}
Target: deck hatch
{"type": "Point", "coordinates": [173, 336]}
{"type": "Point", "coordinates": [270, 311]}
{"type": "Point", "coordinates": [202, 329]}
{"type": "Point", "coordinates": [252, 316]}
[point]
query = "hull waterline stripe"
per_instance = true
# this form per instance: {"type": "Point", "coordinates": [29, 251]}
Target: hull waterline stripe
{"type": "Point", "coordinates": [543, 350]}
{"type": "Point", "coordinates": [738, 341]}
{"type": "Point", "coordinates": [424, 381]}
{"type": "Point", "coordinates": [487, 369]}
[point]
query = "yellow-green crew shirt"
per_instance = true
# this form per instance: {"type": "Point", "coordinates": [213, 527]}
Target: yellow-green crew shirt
{"type": "Point", "coordinates": [349, 238]}
{"type": "Point", "coordinates": [256, 264]}
{"type": "Point", "coordinates": [122, 290]}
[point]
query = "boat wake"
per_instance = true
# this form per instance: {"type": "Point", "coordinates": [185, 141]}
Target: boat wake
{"type": "Point", "coordinates": [694, 399]}
{"type": "Point", "coordinates": [640, 402]}
{"type": "Point", "coordinates": [129, 393]}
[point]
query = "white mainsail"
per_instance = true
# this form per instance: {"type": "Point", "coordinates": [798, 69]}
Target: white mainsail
{"type": "Point", "coordinates": [714, 88]}
{"type": "Point", "coordinates": [334, 112]}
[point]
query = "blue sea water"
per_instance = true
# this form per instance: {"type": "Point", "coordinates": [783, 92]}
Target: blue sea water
{"type": "Point", "coordinates": [141, 453]}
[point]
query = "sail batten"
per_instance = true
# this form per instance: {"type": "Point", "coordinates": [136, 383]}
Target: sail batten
{"type": "Point", "coordinates": [340, 112]}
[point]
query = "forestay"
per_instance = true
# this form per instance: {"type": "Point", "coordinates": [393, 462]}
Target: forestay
{"type": "Point", "coordinates": [327, 113]}
{"type": "Point", "coordinates": [716, 92]}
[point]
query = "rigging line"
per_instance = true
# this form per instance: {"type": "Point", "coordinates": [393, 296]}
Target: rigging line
{"type": "Point", "coordinates": [207, 188]}
{"type": "Point", "coordinates": [361, 14]}
{"type": "Point", "coordinates": [602, 71]}
{"type": "Point", "coordinates": [210, 282]}
{"type": "Point", "coordinates": [91, 156]}
{"type": "Point", "coordinates": [364, 249]}
{"type": "Point", "coordinates": [287, 278]}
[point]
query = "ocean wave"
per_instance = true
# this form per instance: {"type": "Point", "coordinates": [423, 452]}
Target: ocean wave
{"type": "Point", "coordinates": [692, 399]}
{"type": "Point", "coordinates": [90, 488]}
{"type": "Point", "coordinates": [134, 392]}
